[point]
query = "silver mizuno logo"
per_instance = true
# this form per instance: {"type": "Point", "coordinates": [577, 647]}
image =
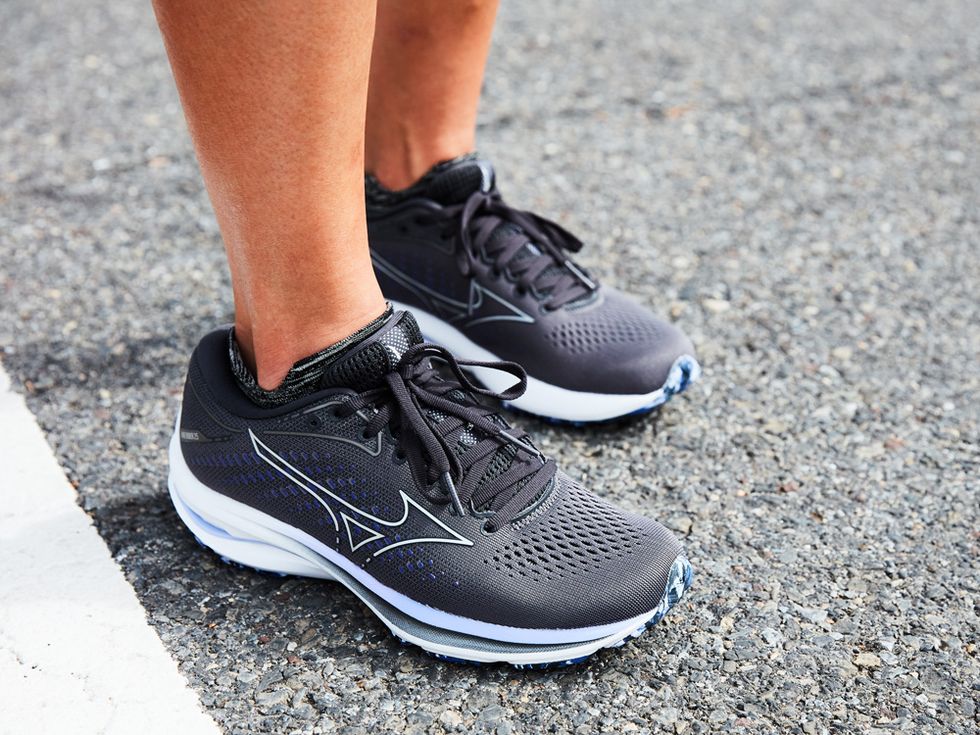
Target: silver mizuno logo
{"type": "Point", "coordinates": [367, 527]}
{"type": "Point", "coordinates": [483, 305]}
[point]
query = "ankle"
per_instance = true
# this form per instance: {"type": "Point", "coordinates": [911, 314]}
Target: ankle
{"type": "Point", "coordinates": [270, 349]}
{"type": "Point", "coordinates": [397, 164]}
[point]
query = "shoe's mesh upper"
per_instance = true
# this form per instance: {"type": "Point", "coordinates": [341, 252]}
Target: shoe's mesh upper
{"type": "Point", "coordinates": [608, 325]}
{"type": "Point", "coordinates": [440, 277]}
{"type": "Point", "coordinates": [575, 537]}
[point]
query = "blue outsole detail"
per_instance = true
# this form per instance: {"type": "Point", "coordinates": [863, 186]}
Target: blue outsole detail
{"type": "Point", "coordinates": [680, 580]}
{"type": "Point", "coordinates": [239, 565]}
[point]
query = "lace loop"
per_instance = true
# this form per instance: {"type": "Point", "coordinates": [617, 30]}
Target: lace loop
{"type": "Point", "coordinates": [547, 271]}
{"type": "Point", "coordinates": [413, 390]}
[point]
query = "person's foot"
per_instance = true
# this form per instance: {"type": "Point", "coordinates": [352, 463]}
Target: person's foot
{"type": "Point", "coordinates": [490, 282]}
{"type": "Point", "coordinates": [397, 482]}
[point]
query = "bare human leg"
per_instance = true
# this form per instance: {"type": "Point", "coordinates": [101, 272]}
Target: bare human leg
{"type": "Point", "coordinates": [426, 74]}
{"type": "Point", "coordinates": [275, 97]}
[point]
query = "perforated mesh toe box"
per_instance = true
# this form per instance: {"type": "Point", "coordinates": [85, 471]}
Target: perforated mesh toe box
{"type": "Point", "coordinates": [588, 562]}
{"type": "Point", "coordinates": [606, 328]}
{"type": "Point", "coordinates": [618, 345]}
{"type": "Point", "coordinates": [611, 344]}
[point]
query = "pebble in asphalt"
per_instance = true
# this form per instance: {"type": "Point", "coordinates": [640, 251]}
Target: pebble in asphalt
{"type": "Point", "coordinates": [796, 183]}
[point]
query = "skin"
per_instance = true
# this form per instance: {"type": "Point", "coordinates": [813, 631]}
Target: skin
{"type": "Point", "coordinates": [426, 74]}
{"type": "Point", "coordinates": [276, 96]}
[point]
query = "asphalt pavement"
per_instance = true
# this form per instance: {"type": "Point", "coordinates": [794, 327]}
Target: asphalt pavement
{"type": "Point", "coordinates": [796, 183]}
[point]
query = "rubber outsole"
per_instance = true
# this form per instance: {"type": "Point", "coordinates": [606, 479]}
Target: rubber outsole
{"type": "Point", "coordinates": [246, 549]}
{"type": "Point", "coordinates": [550, 402]}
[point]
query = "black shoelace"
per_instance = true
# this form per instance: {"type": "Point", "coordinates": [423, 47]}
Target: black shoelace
{"type": "Point", "coordinates": [547, 270]}
{"type": "Point", "coordinates": [414, 387]}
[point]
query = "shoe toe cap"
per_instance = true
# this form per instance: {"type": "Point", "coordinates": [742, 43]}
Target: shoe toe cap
{"type": "Point", "coordinates": [648, 366]}
{"type": "Point", "coordinates": [620, 346]}
{"type": "Point", "coordinates": [594, 564]}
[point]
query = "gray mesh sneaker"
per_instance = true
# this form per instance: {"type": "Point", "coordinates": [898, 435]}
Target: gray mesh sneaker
{"type": "Point", "coordinates": [394, 479]}
{"type": "Point", "coordinates": [491, 282]}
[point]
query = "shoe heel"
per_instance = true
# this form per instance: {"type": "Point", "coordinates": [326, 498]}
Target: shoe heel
{"type": "Point", "coordinates": [241, 542]}
{"type": "Point", "coordinates": [245, 552]}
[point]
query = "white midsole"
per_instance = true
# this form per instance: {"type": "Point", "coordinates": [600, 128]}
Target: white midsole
{"type": "Point", "coordinates": [247, 524]}
{"type": "Point", "coordinates": [541, 398]}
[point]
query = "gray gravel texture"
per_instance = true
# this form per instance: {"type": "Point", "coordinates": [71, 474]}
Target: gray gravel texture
{"type": "Point", "coordinates": [796, 183]}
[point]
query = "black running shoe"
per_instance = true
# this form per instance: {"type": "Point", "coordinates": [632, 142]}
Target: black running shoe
{"type": "Point", "coordinates": [393, 479]}
{"type": "Point", "coordinates": [491, 282]}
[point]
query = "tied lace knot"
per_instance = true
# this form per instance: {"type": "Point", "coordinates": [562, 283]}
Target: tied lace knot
{"type": "Point", "coordinates": [413, 392]}
{"type": "Point", "coordinates": [545, 267]}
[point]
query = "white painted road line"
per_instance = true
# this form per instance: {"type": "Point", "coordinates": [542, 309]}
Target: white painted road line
{"type": "Point", "coordinates": [76, 652]}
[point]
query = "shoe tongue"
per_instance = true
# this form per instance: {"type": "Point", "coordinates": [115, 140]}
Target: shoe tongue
{"type": "Point", "coordinates": [451, 182]}
{"type": "Point", "coordinates": [364, 366]}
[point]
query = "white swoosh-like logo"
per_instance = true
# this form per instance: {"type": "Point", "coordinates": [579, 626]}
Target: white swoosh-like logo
{"type": "Point", "coordinates": [352, 517]}
{"type": "Point", "coordinates": [466, 312]}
